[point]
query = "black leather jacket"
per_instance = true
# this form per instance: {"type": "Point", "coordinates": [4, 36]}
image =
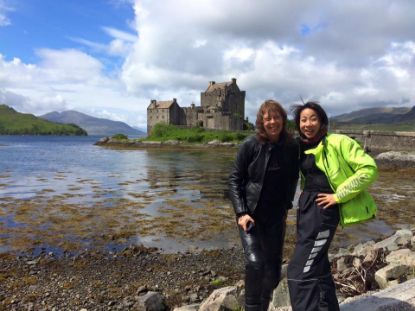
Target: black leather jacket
{"type": "Point", "coordinates": [247, 176]}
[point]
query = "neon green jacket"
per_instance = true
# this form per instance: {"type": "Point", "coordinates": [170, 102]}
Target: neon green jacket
{"type": "Point", "coordinates": [350, 171]}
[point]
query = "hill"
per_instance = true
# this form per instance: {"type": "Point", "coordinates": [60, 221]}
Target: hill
{"type": "Point", "coordinates": [16, 123]}
{"type": "Point", "coordinates": [94, 126]}
{"type": "Point", "coordinates": [385, 118]}
{"type": "Point", "coordinates": [369, 112]}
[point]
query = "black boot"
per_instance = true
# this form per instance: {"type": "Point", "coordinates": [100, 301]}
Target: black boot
{"type": "Point", "coordinates": [253, 307]}
{"type": "Point", "coordinates": [264, 304]}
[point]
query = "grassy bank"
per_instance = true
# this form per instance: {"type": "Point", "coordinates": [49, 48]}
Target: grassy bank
{"type": "Point", "coordinates": [164, 132]}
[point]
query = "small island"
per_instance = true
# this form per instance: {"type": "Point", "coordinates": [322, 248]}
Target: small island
{"type": "Point", "coordinates": [171, 135]}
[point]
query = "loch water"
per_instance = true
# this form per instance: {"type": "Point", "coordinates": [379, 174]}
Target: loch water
{"type": "Point", "coordinates": [66, 195]}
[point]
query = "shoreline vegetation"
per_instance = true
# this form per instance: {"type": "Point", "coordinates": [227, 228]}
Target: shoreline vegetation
{"type": "Point", "coordinates": [171, 135]}
{"type": "Point", "coordinates": [164, 135]}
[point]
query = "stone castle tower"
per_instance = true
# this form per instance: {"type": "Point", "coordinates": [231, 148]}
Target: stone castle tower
{"type": "Point", "coordinates": [222, 108]}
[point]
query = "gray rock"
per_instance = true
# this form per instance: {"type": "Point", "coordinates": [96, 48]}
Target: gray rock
{"type": "Point", "coordinates": [214, 142]}
{"type": "Point", "coordinates": [397, 298]}
{"type": "Point", "coordinates": [150, 142]}
{"type": "Point", "coordinates": [221, 299]}
{"type": "Point", "coordinates": [192, 307]}
{"type": "Point", "coordinates": [389, 273]}
{"type": "Point", "coordinates": [371, 255]}
{"type": "Point", "coordinates": [403, 256]}
{"type": "Point", "coordinates": [103, 140]}
{"type": "Point", "coordinates": [362, 249]}
{"type": "Point", "coordinates": [151, 301]}
{"type": "Point", "coordinates": [343, 263]}
{"type": "Point", "coordinates": [397, 156]}
{"type": "Point", "coordinates": [172, 142]}
{"type": "Point", "coordinates": [400, 238]}
{"type": "Point", "coordinates": [281, 295]}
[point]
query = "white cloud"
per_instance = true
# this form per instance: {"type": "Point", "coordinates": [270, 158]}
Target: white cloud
{"type": "Point", "coordinates": [346, 54]}
{"type": "Point", "coordinates": [120, 45]}
{"type": "Point", "coordinates": [121, 35]}
{"type": "Point", "coordinates": [335, 52]}
{"type": "Point", "coordinates": [66, 79]}
{"type": "Point", "coordinates": [4, 9]}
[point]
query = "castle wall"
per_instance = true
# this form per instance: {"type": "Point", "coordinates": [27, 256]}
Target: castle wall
{"type": "Point", "coordinates": [189, 116]}
{"type": "Point", "coordinates": [230, 102]}
{"type": "Point", "coordinates": [156, 115]}
{"type": "Point", "coordinates": [171, 115]}
{"type": "Point", "coordinates": [175, 114]}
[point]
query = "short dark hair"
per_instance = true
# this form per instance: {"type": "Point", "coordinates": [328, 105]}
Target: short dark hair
{"type": "Point", "coordinates": [268, 106]}
{"type": "Point", "coordinates": [314, 105]}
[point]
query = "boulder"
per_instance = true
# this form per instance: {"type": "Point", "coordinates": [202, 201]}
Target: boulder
{"type": "Point", "coordinates": [221, 299]}
{"type": "Point", "coordinates": [396, 158]}
{"type": "Point", "coordinates": [400, 238]}
{"type": "Point", "coordinates": [151, 301]}
{"type": "Point", "coordinates": [362, 249]}
{"type": "Point", "coordinates": [400, 297]}
{"type": "Point", "coordinates": [389, 273]}
{"type": "Point", "coordinates": [403, 256]}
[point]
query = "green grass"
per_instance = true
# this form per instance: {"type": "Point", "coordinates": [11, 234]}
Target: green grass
{"type": "Point", "coordinates": [15, 123]}
{"type": "Point", "coordinates": [164, 132]}
{"type": "Point", "coordinates": [120, 136]}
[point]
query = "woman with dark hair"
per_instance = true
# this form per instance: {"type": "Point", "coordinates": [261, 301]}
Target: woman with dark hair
{"type": "Point", "coordinates": [335, 173]}
{"type": "Point", "coordinates": [262, 186]}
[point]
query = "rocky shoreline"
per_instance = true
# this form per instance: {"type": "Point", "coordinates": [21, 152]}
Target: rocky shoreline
{"type": "Point", "coordinates": [99, 281]}
{"type": "Point", "coordinates": [138, 144]}
{"type": "Point", "coordinates": [141, 278]}
{"type": "Point", "coordinates": [385, 159]}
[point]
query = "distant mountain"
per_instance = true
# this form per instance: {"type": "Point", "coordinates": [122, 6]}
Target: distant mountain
{"type": "Point", "coordinates": [16, 123]}
{"type": "Point", "coordinates": [94, 126]}
{"type": "Point", "coordinates": [371, 113]}
{"type": "Point", "coordinates": [388, 118]}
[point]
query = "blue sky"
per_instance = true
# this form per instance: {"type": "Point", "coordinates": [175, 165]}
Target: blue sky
{"type": "Point", "coordinates": [109, 58]}
{"type": "Point", "coordinates": [59, 24]}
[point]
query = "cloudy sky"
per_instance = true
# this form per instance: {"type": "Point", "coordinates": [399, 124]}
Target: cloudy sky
{"type": "Point", "coordinates": [109, 58]}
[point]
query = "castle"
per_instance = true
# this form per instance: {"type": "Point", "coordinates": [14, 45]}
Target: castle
{"type": "Point", "coordinates": [222, 108]}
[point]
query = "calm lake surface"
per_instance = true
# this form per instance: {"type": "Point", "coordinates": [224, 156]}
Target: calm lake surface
{"type": "Point", "coordinates": [65, 195]}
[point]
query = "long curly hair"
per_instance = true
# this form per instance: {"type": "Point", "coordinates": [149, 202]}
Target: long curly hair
{"type": "Point", "coordinates": [268, 106]}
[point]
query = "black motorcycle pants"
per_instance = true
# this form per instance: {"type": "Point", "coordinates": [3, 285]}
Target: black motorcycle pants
{"type": "Point", "coordinates": [263, 247]}
{"type": "Point", "coordinates": [309, 276]}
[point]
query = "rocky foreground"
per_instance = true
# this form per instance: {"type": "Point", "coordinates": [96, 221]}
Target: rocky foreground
{"type": "Point", "coordinates": [95, 281]}
{"type": "Point", "coordinates": [144, 279]}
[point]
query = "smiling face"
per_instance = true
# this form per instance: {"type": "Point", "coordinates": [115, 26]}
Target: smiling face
{"type": "Point", "coordinates": [273, 125]}
{"type": "Point", "coordinates": [310, 123]}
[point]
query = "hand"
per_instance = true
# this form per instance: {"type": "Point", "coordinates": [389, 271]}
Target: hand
{"type": "Point", "coordinates": [325, 200]}
{"type": "Point", "coordinates": [244, 220]}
